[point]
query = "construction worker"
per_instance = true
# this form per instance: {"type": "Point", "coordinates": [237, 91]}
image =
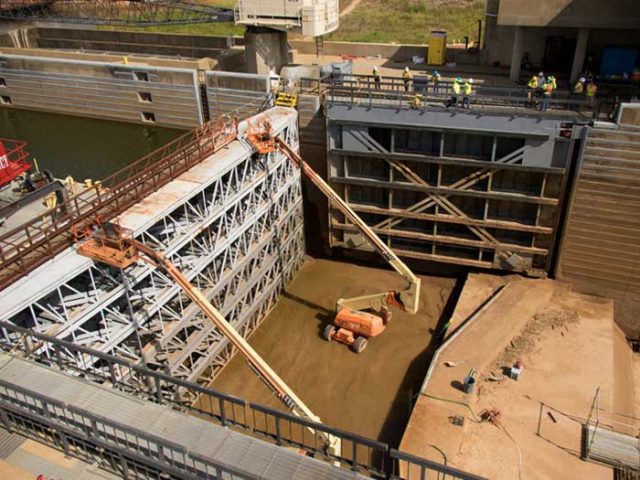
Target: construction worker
{"type": "Point", "coordinates": [406, 78]}
{"type": "Point", "coordinates": [435, 78]}
{"type": "Point", "coordinates": [377, 78]}
{"type": "Point", "coordinates": [467, 90]}
{"type": "Point", "coordinates": [416, 102]}
{"type": "Point", "coordinates": [547, 91]}
{"type": "Point", "coordinates": [532, 86]}
{"type": "Point", "coordinates": [578, 91]}
{"type": "Point", "coordinates": [591, 89]}
{"type": "Point", "coordinates": [455, 92]}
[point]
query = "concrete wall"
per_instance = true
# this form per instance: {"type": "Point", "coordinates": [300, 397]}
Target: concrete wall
{"type": "Point", "coordinates": [238, 95]}
{"type": "Point", "coordinates": [133, 93]}
{"type": "Point", "coordinates": [571, 13]}
{"type": "Point", "coordinates": [194, 46]}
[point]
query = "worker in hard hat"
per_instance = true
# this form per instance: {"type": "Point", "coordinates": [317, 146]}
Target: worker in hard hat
{"type": "Point", "coordinates": [467, 90]}
{"type": "Point", "coordinates": [455, 92]}
{"type": "Point", "coordinates": [435, 79]}
{"type": "Point", "coordinates": [532, 88]}
{"type": "Point", "coordinates": [377, 78]}
{"type": "Point", "coordinates": [547, 91]}
{"type": "Point", "coordinates": [577, 93]}
{"type": "Point", "coordinates": [416, 102]}
{"type": "Point", "coordinates": [406, 78]}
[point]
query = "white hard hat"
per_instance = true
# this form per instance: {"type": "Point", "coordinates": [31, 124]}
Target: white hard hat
{"type": "Point", "coordinates": [582, 79]}
{"type": "Point", "coordinates": [471, 80]}
{"type": "Point", "coordinates": [406, 69]}
{"type": "Point", "coordinates": [375, 67]}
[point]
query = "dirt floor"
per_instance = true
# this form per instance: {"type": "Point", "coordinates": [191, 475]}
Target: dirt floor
{"type": "Point", "coordinates": [365, 393]}
{"type": "Point", "coordinates": [569, 346]}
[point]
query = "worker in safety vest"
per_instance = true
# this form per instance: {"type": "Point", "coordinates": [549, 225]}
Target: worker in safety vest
{"type": "Point", "coordinates": [591, 89]}
{"type": "Point", "coordinates": [377, 78]}
{"type": "Point", "coordinates": [547, 91]}
{"type": "Point", "coordinates": [532, 86]}
{"type": "Point", "coordinates": [416, 102]}
{"type": "Point", "coordinates": [406, 78]}
{"type": "Point", "coordinates": [553, 82]}
{"type": "Point", "coordinates": [578, 88]}
{"type": "Point", "coordinates": [435, 78]}
{"type": "Point", "coordinates": [455, 92]}
{"type": "Point", "coordinates": [467, 89]}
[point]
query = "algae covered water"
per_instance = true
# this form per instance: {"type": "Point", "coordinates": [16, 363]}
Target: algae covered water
{"type": "Point", "coordinates": [81, 147]}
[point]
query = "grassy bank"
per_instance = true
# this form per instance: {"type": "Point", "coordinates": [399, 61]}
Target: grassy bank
{"type": "Point", "coordinates": [410, 21]}
{"type": "Point", "coordinates": [383, 21]}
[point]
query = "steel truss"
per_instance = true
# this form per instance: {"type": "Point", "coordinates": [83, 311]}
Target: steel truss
{"type": "Point", "coordinates": [240, 240]}
{"type": "Point", "coordinates": [113, 12]}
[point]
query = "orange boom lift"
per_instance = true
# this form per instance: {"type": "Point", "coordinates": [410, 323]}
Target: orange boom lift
{"type": "Point", "coordinates": [360, 318]}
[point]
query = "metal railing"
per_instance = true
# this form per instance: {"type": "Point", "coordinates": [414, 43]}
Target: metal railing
{"type": "Point", "coordinates": [362, 90]}
{"type": "Point", "coordinates": [33, 243]}
{"type": "Point", "coordinates": [77, 432]}
{"type": "Point", "coordinates": [358, 453]}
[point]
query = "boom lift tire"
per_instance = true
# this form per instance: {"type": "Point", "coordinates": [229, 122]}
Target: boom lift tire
{"type": "Point", "coordinates": [328, 332]}
{"type": "Point", "coordinates": [360, 344]}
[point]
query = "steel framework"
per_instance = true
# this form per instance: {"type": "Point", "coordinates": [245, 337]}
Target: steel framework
{"type": "Point", "coordinates": [239, 239]}
{"type": "Point", "coordinates": [113, 12]}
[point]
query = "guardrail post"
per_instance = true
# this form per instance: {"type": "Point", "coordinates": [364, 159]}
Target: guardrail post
{"type": "Point", "coordinates": [125, 467]}
{"type": "Point", "coordinates": [278, 432]}
{"type": "Point", "coordinates": [156, 382]}
{"type": "Point", "coordinates": [65, 443]}
{"type": "Point", "coordinates": [112, 373]}
{"type": "Point", "coordinates": [354, 464]}
{"type": "Point", "coordinates": [223, 416]}
{"type": "Point", "coordinates": [5, 420]}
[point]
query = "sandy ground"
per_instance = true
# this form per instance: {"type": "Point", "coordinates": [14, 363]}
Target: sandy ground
{"type": "Point", "coordinates": [32, 459]}
{"type": "Point", "coordinates": [569, 345]}
{"type": "Point", "coordinates": [365, 393]}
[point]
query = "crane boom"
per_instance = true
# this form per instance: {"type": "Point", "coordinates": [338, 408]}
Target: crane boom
{"type": "Point", "coordinates": [409, 298]}
{"type": "Point", "coordinates": [120, 250]}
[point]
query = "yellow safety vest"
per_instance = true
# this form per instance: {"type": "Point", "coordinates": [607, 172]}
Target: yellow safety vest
{"type": "Point", "coordinates": [591, 90]}
{"type": "Point", "coordinates": [533, 82]}
{"type": "Point", "coordinates": [467, 88]}
{"type": "Point", "coordinates": [578, 87]}
{"type": "Point", "coordinates": [456, 88]}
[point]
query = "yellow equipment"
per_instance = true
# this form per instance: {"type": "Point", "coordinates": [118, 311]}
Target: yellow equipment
{"type": "Point", "coordinates": [284, 99]}
{"type": "Point", "coordinates": [437, 50]}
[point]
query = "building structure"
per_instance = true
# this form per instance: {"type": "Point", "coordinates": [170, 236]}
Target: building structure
{"type": "Point", "coordinates": [567, 36]}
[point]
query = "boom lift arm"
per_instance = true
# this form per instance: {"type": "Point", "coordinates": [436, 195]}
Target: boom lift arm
{"type": "Point", "coordinates": [407, 299]}
{"type": "Point", "coordinates": [115, 246]}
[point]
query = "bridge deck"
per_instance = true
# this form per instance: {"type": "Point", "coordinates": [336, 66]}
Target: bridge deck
{"type": "Point", "coordinates": [220, 445]}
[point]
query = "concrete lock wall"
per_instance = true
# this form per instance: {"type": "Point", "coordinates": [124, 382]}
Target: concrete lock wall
{"type": "Point", "coordinates": [194, 46]}
{"type": "Point", "coordinates": [238, 95]}
{"type": "Point", "coordinates": [133, 93]}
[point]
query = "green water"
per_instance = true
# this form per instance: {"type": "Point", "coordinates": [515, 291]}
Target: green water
{"type": "Point", "coordinates": [81, 147]}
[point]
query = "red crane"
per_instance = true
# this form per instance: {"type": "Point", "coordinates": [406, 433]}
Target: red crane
{"type": "Point", "coordinates": [13, 160]}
